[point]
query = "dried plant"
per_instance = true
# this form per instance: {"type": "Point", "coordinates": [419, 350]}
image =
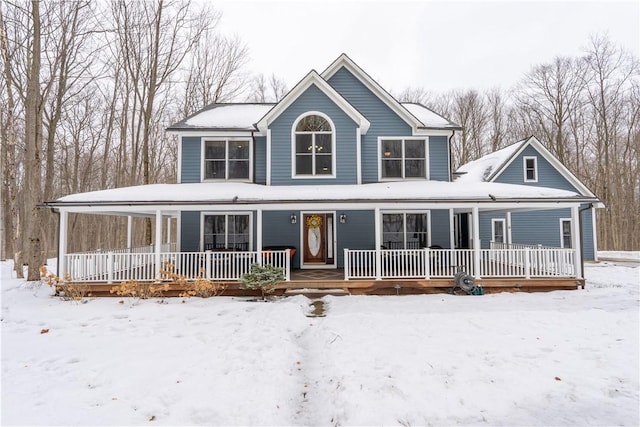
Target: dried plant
{"type": "Point", "coordinates": [63, 287]}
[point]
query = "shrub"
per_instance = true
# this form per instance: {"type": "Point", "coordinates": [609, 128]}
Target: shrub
{"type": "Point", "coordinates": [140, 290]}
{"type": "Point", "coordinates": [263, 277]}
{"type": "Point", "coordinates": [200, 287]}
{"type": "Point", "coordinates": [62, 287]}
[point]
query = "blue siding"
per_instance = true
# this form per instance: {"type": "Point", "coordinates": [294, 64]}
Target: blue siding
{"type": "Point", "coordinates": [190, 231]}
{"type": "Point", "coordinates": [384, 122]}
{"type": "Point", "coordinates": [548, 176]}
{"type": "Point", "coordinates": [439, 158]}
{"type": "Point", "coordinates": [260, 159]}
{"type": "Point", "coordinates": [277, 230]}
{"type": "Point", "coordinates": [440, 228]}
{"type": "Point", "coordinates": [588, 250]}
{"type": "Point", "coordinates": [313, 99]}
{"type": "Point", "coordinates": [191, 161]}
{"type": "Point", "coordinates": [357, 233]}
{"type": "Point", "coordinates": [485, 227]}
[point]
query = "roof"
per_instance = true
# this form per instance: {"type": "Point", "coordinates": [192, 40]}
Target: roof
{"type": "Point", "coordinates": [233, 116]}
{"type": "Point", "coordinates": [488, 168]}
{"type": "Point", "coordinates": [247, 193]}
{"type": "Point", "coordinates": [429, 118]}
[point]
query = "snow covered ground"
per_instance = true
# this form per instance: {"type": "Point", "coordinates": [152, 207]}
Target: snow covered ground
{"type": "Point", "coordinates": [558, 358]}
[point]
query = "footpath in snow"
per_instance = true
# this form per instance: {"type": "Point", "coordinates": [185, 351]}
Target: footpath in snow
{"type": "Point", "coordinates": [557, 358]}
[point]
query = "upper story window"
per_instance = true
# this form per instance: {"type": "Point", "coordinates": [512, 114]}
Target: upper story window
{"type": "Point", "coordinates": [314, 142]}
{"type": "Point", "coordinates": [403, 158]}
{"type": "Point", "coordinates": [227, 159]}
{"type": "Point", "coordinates": [530, 169]}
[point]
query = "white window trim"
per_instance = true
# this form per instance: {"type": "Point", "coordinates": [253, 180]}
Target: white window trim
{"type": "Point", "coordinates": [405, 212]}
{"type": "Point", "coordinates": [563, 220]}
{"type": "Point", "coordinates": [427, 170]}
{"type": "Point", "coordinates": [219, 213]}
{"type": "Point", "coordinates": [504, 229]}
{"type": "Point", "coordinates": [535, 168]}
{"type": "Point", "coordinates": [227, 140]}
{"type": "Point", "coordinates": [333, 147]}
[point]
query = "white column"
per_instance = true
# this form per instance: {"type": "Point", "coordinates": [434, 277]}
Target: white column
{"type": "Point", "coordinates": [378, 238]}
{"type": "Point", "coordinates": [595, 233]}
{"type": "Point", "coordinates": [158, 241]}
{"type": "Point", "coordinates": [452, 230]}
{"type": "Point", "coordinates": [129, 232]}
{"type": "Point", "coordinates": [259, 234]}
{"type": "Point", "coordinates": [476, 242]}
{"type": "Point", "coordinates": [575, 239]}
{"type": "Point", "coordinates": [268, 154]}
{"type": "Point", "coordinates": [62, 243]}
{"type": "Point", "coordinates": [508, 230]}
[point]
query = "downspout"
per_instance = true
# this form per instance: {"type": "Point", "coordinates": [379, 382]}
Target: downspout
{"type": "Point", "coordinates": [587, 207]}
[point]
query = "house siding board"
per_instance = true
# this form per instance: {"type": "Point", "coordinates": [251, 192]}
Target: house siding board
{"type": "Point", "coordinates": [438, 158]}
{"type": "Point", "coordinates": [356, 233]}
{"type": "Point", "coordinates": [277, 230]}
{"type": "Point", "coordinates": [260, 159]}
{"type": "Point", "coordinates": [440, 228]}
{"type": "Point", "coordinates": [384, 122]}
{"type": "Point", "coordinates": [313, 99]}
{"type": "Point", "coordinates": [548, 176]}
{"type": "Point", "coordinates": [191, 159]}
{"type": "Point", "coordinates": [190, 231]}
{"type": "Point", "coordinates": [588, 253]}
{"type": "Point", "coordinates": [485, 228]}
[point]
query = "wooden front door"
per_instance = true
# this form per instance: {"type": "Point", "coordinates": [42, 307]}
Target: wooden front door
{"type": "Point", "coordinates": [317, 238]}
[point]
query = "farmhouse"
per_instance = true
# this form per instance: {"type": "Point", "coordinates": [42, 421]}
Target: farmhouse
{"type": "Point", "coordinates": [345, 187]}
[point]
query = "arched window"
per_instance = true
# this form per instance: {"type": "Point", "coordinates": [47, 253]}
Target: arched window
{"type": "Point", "coordinates": [314, 146]}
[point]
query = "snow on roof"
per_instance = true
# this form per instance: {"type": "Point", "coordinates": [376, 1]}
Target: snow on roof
{"type": "Point", "coordinates": [238, 193]}
{"type": "Point", "coordinates": [429, 118]}
{"type": "Point", "coordinates": [226, 116]}
{"type": "Point", "coordinates": [481, 169]}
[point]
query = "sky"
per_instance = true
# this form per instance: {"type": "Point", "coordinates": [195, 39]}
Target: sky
{"type": "Point", "coordinates": [436, 45]}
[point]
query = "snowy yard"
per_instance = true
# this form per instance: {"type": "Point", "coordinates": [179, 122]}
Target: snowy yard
{"type": "Point", "coordinates": [558, 358]}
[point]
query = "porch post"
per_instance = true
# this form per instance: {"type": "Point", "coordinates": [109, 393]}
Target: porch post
{"type": "Point", "coordinates": [475, 213]}
{"type": "Point", "coordinates": [158, 242]}
{"type": "Point", "coordinates": [168, 237]}
{"type": "Point", "coordinates": [259, 234]}
{"type": "Point", "coordinates": [508, 230]}
{"type": "Point", "coordinates": [575, 240]}
{"type": "Point", "coordinates": [378, 238]}
{"type": "Point", "coordinates": [129, 231]}
{"type": "Point", "coordinates": [62, 243]}
{"type": "Point", "coordinates": [452, 230]}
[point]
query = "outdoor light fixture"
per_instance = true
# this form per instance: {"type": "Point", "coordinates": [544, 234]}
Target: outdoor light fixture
{"type": "Point", "coordinates": [343, 218]}
{"type": "Point", "coordinates": [293, 219]}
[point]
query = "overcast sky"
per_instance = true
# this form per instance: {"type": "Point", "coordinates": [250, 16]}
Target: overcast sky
{"type": "Point", "coordinates": [437, 45]}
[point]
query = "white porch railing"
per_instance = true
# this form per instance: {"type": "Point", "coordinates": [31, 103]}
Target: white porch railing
{"type": "Point", "coordinates": [165, 247]}
{"type": "Point", "coordinates": [442, 263]}
{"type": "Point", "coordinates": [118, 266]}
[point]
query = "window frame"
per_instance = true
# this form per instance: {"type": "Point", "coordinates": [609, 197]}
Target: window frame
{"type": "Point", "coordinates": [227, 140]}
{"type": "Point", "coordinates": [404, 214]}
{"type": "Point", "coordinates": [334, 154]}
{"type": "Point", "coordinates": [427, 171]}
{"type": "Point", "coordinates": [226, 214]}
{"type": "Point", "coordinates": [562, 222]}
{"type": "Point", "coordinates": [525, 168]}
{"type": "Point", "coordinates": [494, 221]}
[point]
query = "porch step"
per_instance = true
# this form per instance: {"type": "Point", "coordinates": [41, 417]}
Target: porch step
{"type": "Point", "coordinates": [317, 292]}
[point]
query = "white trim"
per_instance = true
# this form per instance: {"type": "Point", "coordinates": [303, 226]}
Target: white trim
{"type": "Point", "coordinates": [525, 168]}
{"type": "Point", "coordinates": [179, 176]}
{"type": "Point", "coordinates": [494, 221]}
{"type": "Point", "coordinates": [157, 241]}
{"type": "Point", "coordinates": [313, 78]}
{"type": "Point", "coordinates": [595, 233]}
{"type": "Point", "coordinates": [258, 231]}
{"type": "Point", "coordinates": [226, 213]}
{"type": "Point", "coordinates": [268, 156]}
{"type": "Point", "coordinates": [475, 214]}
{"type": "Point", "coordinates": [129, 231]}
{"type": "Point", "coordinates": [452, 229]}
{"type": "Point", "coordinates": [62, 242]}
{"type": "Point", "coordinates": [358, 156]}
{"type": "Point", "coordinates": [216, 133]}
{"type": "Point", "coordinates": [509, 236]}
{"type": "Point", "coordinates": [179, 231]}
{"type": "Point", "coordinates": [432, 132]}
{"type": "Point", "coordinates": [333, 174]}
{"type": "Point", "coordinates": [427, 170]}
{"type": "Point", "coordinates": [227, 141]}
{"type": "Point", "coordinates": [563, 220]}
{"type": "Point", "coordinates": [335, 240]}
{"type": "Point", "coordinates": [575, 240]}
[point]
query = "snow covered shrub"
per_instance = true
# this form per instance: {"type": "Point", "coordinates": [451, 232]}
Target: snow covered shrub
{"type": "Point", "coordinates": [62, 287]}
{"type": "Point", "coordinates": [139, 290]}
{"type": "Point", "coordinates": [263, 277]}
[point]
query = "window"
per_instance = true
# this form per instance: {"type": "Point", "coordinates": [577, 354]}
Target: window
{"type": "Point", "coordinates": [314, 147]}
{"type": "Point", "coordinates": [227, 232]}
{"type": "Point", "coordinates": [498, 234]}
{"type": "Point", "coordinates": [403, 158]}
{"type": "Point", "coordinates": [565, 233]}
{"type": "Point", "coordinates": [405, 230]}
{"type": "Point", "coordinates": [227, 159]}
{"type": "Point", "coordinates": [530, 169]}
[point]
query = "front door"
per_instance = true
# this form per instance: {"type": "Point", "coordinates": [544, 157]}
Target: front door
{"type": "Point", "coordinates": [318, 240]}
